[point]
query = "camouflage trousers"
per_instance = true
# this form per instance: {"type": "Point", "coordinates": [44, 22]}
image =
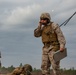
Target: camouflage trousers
{"type": "Point", "coordinates": [48, 61]}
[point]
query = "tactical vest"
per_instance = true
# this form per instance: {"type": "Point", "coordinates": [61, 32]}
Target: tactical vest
{"type": "Point", "coordinates": [48, 34]}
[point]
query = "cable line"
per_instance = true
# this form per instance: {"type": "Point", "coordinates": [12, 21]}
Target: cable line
{"type": "Point", "coordinates": [64, 23]}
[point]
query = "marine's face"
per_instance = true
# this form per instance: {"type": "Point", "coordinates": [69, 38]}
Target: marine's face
{"type": "Point", "coordinates": [43, 21]}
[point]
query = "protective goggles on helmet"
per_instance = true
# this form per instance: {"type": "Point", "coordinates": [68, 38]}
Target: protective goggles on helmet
{"type": "Point", "coordinates": [43, 18]}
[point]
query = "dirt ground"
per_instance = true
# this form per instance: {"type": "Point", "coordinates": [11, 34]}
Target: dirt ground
{"type": "Point", "coordinates": [33, 73]}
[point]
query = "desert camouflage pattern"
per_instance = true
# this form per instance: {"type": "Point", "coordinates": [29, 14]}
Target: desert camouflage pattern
{"type": "Point", "coordinates": [56, 28]}
{"type": "Point", "coordinates": [28, 68]}
{"type": "Point", "coordinates": [25, 70]}
{"type": "Point", "coordinates": [48, 61]}
{"type": "Point", "coordinates": [48, 51]}
{"type": "Point", "coordinates": [45, 15]}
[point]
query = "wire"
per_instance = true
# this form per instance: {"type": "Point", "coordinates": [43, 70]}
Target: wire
{"type": "Point", "coordinates": [64, 23]}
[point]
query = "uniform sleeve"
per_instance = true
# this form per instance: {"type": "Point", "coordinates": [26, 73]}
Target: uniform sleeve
{"type": "Point", "coordinates": [60, 36]}
{"type": "Point", "coordinates": [37, 32]}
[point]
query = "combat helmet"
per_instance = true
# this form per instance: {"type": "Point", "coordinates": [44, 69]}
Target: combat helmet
{"type": "Point", "coordinates": [28, 67]}
{"type": "Point", "coordinates": [45, 15]}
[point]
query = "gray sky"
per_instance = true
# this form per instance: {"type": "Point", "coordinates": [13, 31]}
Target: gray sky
{"type": "Point", "coordinates": [19, 18]}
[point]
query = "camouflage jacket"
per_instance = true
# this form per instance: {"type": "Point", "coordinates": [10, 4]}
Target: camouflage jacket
{"type": "Point", "coordinates": [56, 28]}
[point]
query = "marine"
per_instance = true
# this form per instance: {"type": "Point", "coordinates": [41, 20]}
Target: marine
{"type": "Point", "coordinates": [24, 70]}
{"type": "Point", "coordinates": [53, 40]}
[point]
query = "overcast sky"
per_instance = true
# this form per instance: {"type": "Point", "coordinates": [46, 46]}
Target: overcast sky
{"type": "Point", "coordinates": [19, 18]}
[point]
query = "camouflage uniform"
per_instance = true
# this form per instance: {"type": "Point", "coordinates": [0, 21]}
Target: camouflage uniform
{"type": "Point", "coordinates": [25, 70]}
{"type": "Point", "coordinates": [53, 39]}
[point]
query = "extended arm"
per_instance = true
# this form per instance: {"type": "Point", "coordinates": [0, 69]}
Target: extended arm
{"type": "Point", "coordinates": [61, 37]}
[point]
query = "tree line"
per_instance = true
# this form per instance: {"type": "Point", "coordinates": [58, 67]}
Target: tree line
{"type": "Point", "coordinates": [64, 71]}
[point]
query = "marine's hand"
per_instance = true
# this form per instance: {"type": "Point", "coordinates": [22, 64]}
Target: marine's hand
{"type": "Point", "coordinates": [40, 23]}
{"type": "Point", "coordinates": [61, 49]}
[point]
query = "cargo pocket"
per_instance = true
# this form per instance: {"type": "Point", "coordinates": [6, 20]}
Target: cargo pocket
{"type": "Point", "coordinates": [45, 51]}
{"type": "Point", "coordinates": [56, 48]}
{"type": "Point", "coordinates": [51, 54]}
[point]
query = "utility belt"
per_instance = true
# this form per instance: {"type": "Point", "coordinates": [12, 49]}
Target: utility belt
{"type": "Point", "coordinates": [47, 44]}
